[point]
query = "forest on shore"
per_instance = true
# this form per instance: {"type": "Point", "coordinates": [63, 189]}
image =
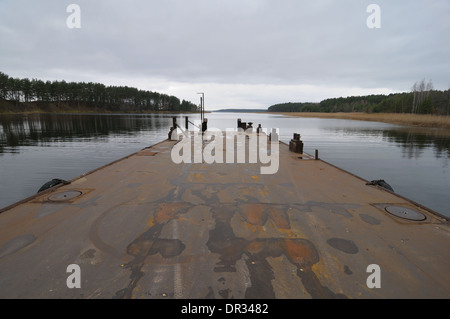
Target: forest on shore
{"type": "Point", "coordinates": [421, 100]}
{"type": "Point", "coordinates": [25, 95]}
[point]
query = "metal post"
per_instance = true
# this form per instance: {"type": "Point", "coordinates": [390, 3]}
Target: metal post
{"type": "Point", "coordinates": [202, 106]}
{"type": "Point", "coordinates": [201, 109]}
{"type": "Point", "coordinates": [186, 122]}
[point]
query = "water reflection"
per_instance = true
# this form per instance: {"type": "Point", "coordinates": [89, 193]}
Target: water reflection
{"type": "Point", "coordinates": [412, 140]}
{"type": "Point", "coordinates": [41, 129]}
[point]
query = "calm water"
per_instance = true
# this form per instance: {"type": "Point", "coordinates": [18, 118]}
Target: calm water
{"type": "Point", "coordinates": [37, 148]}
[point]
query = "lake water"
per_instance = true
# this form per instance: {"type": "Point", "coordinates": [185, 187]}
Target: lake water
{"type": "Point", "coordinates": [37, 148]}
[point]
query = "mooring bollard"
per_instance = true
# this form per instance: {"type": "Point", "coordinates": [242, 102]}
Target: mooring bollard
{"type": "Point", "coordinates": [173, 130]}
{"type": "Point", "coordinates": [296, 145]}
{"type": "Point", "coordinates": [204, 125]}
{"type": "Point", "coordinates": [259, 129]}
{"type": "Point", "coordinates": [242, 125]}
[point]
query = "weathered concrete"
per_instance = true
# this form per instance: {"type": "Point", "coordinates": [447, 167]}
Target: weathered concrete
{"type": "Point", "coordinates": [144, 227]}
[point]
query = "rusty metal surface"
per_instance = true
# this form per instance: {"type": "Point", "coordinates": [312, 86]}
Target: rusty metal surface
{"type": "Point", "coordinates": [145, 227]}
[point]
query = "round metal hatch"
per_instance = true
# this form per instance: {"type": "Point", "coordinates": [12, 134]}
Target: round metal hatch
{"type": "Point", "coordinates": [64, 196]}
{"type": "Point", "coordinates": [405, 213]}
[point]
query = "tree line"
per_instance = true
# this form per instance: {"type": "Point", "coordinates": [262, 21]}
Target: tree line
{"type": "Point", "coordinates": [22, 93]}
{"type": "Point", "coordinates": [422, 99]}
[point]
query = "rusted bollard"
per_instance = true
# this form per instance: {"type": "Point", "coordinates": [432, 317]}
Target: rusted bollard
{"type": "Point", "coordinates": [296, 145]}
{"type": "Point", "coordinates": [204, 125]}
{"type": "Point", "coordinates": [173, 129]}
{"type": "Point", "coordinates": [242, 125]}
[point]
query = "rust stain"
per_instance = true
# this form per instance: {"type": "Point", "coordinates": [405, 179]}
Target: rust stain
{"type": "Point", "coordinates": [151, 222]}
{"type": "Point", "coordinates": [257, 214]}
{"type": "Point", "coordinates": [167, 211]}
{"type": "Point", "coordinates": [254, 214]}
{"type": "Point", "coordinates": [255, 247]}
{"type": "Point", "coordinates": [199, 177]}
{"type": "Point", "coordinates": [149, 243]}
{"type": "Point", "coordinates": [300, 253]}
{"type": "Point", "coordinates": [280, 217]}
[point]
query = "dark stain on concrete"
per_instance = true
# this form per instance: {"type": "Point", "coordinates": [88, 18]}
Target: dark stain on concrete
{"type": "Point", "coordinates": [347, 270]}
{"type": "Point", "coordinates": [345, 245]}
{"type": "Point", "coordinates": [315, 288]}
{"type": "Point", "coordinates": [225, 293]}
{"type": "Point", "coordinates": [300, 252]}
{"type": "Point", "coordinates": [149, 243]}
{"type": "Point", "coordinates": [222, 241]}
{"type": "Point", "coordinates": [90, 253]}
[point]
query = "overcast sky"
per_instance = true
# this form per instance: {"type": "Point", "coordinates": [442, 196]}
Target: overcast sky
{"type": "Point", "coordinates": [246, 53]}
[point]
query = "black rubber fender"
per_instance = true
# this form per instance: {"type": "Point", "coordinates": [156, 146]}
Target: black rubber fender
{"type": "Point", "coordinates": [381, 183]}
{"type": "Point", "coordinates": [52, 183]}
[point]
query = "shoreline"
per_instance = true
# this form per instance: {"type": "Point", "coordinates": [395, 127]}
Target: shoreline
{"type": "Point", "coordinates": [10, 107]}
{"type": "Point", "coordinates": [417, 120]}
{"type": "Point", "coordinates": [98, 112]}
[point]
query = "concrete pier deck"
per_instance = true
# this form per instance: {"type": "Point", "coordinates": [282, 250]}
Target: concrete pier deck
{"type": "Point", "coordinates": [145, 227]}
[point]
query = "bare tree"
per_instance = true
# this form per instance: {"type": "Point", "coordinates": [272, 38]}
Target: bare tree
{"type": "Point", "coordinates": [421, 91]}
{"type": "Point", "coordinates": [414, 89]}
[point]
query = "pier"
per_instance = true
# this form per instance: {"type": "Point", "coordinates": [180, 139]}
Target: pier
{"type": "Point", "coordinates": [146, 227]}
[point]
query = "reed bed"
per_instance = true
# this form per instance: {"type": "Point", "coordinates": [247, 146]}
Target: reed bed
{"type": "Point", "coordinates": [421, 120]}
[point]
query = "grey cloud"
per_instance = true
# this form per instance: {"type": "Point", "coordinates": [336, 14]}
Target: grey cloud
{"type": "Point", "coordinates": [284, 42]}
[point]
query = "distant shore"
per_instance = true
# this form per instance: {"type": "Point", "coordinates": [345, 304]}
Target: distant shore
{"type": "Point", "coordinates": [95, 112]}
{"type": "Point", "coordinates": [11, 107]}
{"type": "Point", "coordinates": [419, 120]}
